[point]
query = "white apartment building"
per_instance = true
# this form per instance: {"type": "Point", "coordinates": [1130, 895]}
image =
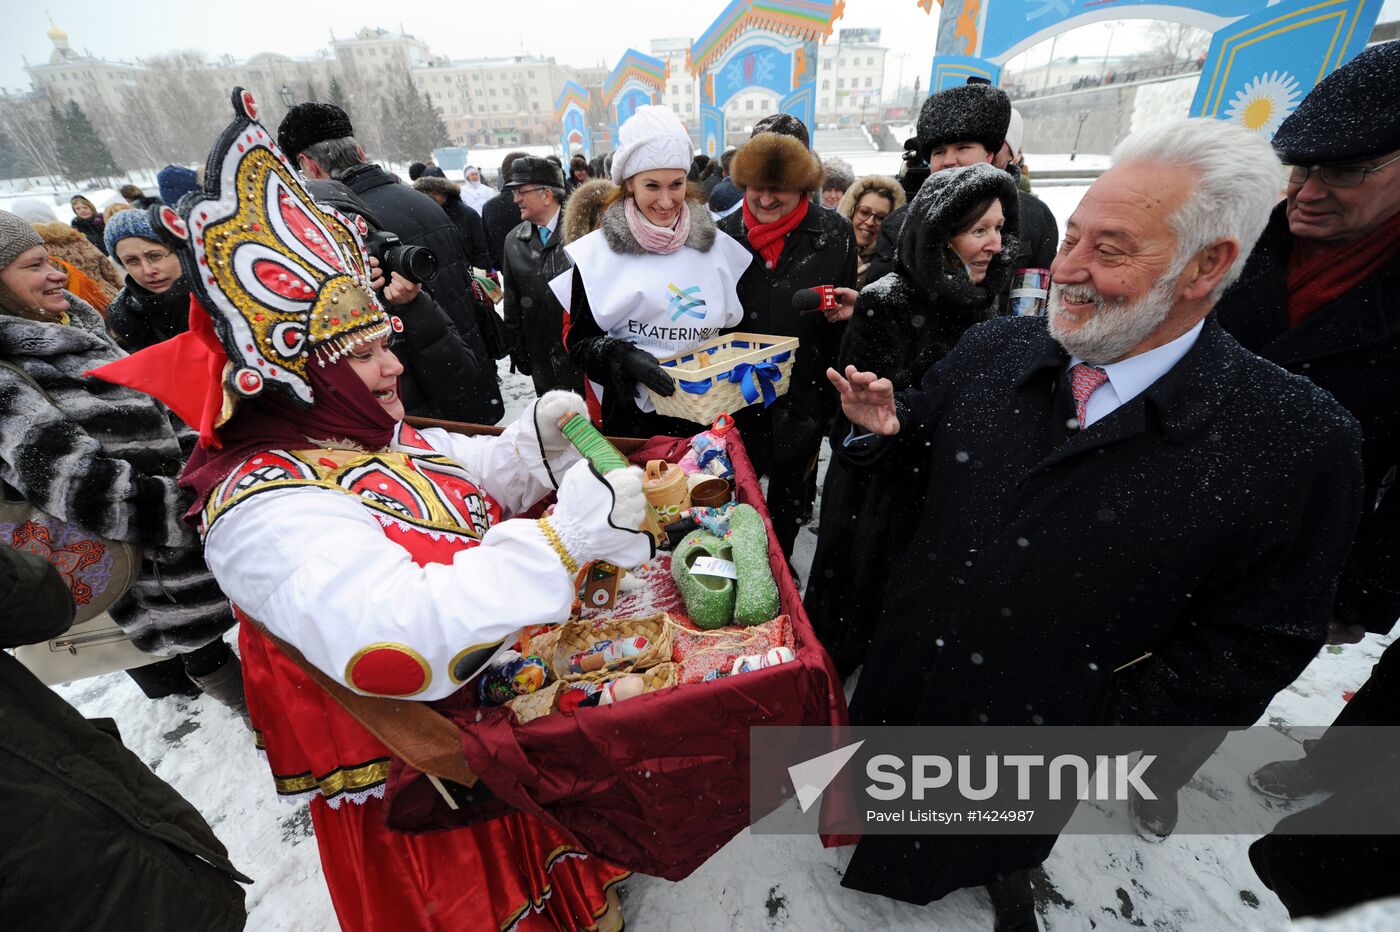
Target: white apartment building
{"type": "Point", "coordinates": [495, 102]}
{"type": "Point", "coordinates": [682, 91]}
{"type": "Point", "coordinates": [850, 78]}
{"type": "Point", "coordinates": [98, 86]}
{"type": "Point", "coordinates": [379, 51]}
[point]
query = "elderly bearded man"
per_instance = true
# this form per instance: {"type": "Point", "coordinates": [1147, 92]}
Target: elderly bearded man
{"type": "Point", "coordinates": [1126, 481]}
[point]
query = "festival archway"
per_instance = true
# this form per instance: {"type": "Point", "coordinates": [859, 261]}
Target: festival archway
{"type": "Point", "coordinates": [1263, 59]}
{"type": "Point", "coordinates": [635, 81]}
{"type": "Point", "coordinates": [760, 45]}
{"type": "Point", "coordinates": [572, 110]}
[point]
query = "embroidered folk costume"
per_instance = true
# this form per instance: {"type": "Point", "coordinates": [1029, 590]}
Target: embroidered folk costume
{"type": "Point", "coordinates": [382, 553]}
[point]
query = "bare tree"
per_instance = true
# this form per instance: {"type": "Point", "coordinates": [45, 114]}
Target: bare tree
{"type": "Point", "coordinates": [1175, 42]}
{"type": "Point", "coordinates": [190, 103]}
{"type": "Point", "coordinates": [24, 121]}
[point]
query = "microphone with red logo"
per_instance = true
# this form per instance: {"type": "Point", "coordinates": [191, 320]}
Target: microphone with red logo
{"type": "Point", "coordinates": [822, 298]}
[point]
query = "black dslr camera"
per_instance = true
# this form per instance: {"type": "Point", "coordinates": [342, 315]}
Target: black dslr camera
{"type": "Point", "coordinates": [415, 263]}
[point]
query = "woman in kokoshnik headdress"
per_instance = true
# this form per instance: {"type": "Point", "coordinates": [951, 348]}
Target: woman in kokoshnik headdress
{"type": "Point", "coordinates": [380, 552]}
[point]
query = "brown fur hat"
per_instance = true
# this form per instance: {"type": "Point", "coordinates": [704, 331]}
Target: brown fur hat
{"type": "Point", "coordinates": [431, 184]}
{"type": "Point", "coordinates": [777, 161]}
{"type": "Point", "coordinates": [72, 247]}
{"type": "Point", "coordinates": [584, 208]}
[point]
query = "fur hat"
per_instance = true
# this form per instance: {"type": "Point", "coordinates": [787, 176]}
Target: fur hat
{"type": "Point", "coordinates": [1350, 115]}
{"type": "Point", "coordinates": [310, 123]}
{"type": "Point", "coordinates": [963, 113]}
{"type": "Point", "coordinates": [531, 170]}
{"type": "Point", "coordinates": [924, 255]}
{"type": "Point", "coordinates": [584, 209]}
{"type": "Point", "coordinates": [839, 175]}
{"type": "Point", "coordinates": [651, 138]}
{"type": "Point", "coordinates": [127, 224]}
{"type": "Point", "coordinates": [785, 124]}
{"type": "Point", "coordinates": [880, 184]}
{"type": "Point", "coordinates": [415, 171]}
{"type": "Point", "coordinates": [34, 210]}
{"type": "Point", "coordinates": [431, 184]}
{"type": "Point", "coordinates": [16, 237]}
{"type": "Point", "coordinates": [175, 181]}
{"type": "Point", "coordinates": [778, 161]}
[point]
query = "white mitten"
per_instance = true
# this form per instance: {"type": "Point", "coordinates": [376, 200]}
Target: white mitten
{"type": "Point", "coordinates": [551, 407]}
{"type": "Point", "coordinates": [598, 517]}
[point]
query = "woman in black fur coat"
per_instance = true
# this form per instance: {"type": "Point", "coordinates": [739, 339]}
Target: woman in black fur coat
{"type": "Point", "coordinates": [903, 324]}
{"type": "Point", "coordinates": [105, 459]}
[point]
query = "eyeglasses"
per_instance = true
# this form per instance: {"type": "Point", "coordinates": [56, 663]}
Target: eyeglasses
{"type": "Point", "coordinates": [153, 257]}
{"type": "Point", "coordinates": [864, 215]}
{"type": "Point", "coordinates": [1336, 177]}
{"type": "Point", "coordinates": [524, 191]}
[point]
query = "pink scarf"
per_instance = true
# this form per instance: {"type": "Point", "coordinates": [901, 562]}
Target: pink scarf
{"type": "Point", "coordinates": [653, 238]}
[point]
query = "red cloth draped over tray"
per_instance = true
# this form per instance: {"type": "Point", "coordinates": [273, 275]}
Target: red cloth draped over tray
{"type": "Point", "coordinates": [656, 784]}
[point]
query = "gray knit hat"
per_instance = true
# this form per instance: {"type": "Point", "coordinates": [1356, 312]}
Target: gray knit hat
{"type": "Point", "coordinates": [16, 237]}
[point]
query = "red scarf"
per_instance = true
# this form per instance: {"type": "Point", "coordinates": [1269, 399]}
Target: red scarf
{"type": "Point", "coordinates": [1320, 273]}
{"type": "Point", "coordinates": [768, 238]}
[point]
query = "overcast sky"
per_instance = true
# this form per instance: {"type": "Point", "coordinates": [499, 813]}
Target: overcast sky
{"type": "Point", "coordinates": [574, 32]}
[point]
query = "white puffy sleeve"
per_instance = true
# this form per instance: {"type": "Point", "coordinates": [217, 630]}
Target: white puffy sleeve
{"type": "Point", "coordinates": [315, 567]}
{"type": "Point", "coordinates": [513, 467]}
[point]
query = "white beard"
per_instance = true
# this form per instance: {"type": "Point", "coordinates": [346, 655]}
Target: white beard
{"type": "Point", "coordinates": [1116, 327]}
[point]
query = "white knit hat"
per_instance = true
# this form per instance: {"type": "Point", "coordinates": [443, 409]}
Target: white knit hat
{"type": "Point", "coordinates": [1015, 132]}
{"type": "Point", "coordinates": [653, 137]}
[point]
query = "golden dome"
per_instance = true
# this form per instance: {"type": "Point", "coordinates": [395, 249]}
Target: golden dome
{"type": "Point", "coordinates": [56, 34]}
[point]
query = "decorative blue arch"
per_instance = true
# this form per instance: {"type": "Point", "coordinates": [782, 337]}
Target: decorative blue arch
{"type": "Point", "coordinates": [760, 44]}
{"type": "Point", "coordinates": [572, 110]}
{"type": "Point", "coordinates": [1270, 56]}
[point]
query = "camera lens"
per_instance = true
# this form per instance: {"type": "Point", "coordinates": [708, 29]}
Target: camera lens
{"type": "Point", "coordinates": [416, 263]}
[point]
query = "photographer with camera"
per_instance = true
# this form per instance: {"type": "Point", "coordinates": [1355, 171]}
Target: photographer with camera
{"type": "Point", "coordinates": [320, 140]}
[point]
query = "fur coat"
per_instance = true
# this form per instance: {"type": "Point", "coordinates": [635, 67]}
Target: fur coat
{"type": "Point", "coordinates": [105, 458]}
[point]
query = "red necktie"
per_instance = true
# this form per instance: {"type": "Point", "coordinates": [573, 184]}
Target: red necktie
{"type": "Point", "coordinates": [1083, 379]}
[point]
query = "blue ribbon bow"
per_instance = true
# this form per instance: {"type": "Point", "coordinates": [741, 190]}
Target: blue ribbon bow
{"type": "Point", "coordinates": [757, 378]}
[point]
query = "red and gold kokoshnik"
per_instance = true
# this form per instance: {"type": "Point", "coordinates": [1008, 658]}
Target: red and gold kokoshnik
{"type": "Point", "coordinates": [285, 279]}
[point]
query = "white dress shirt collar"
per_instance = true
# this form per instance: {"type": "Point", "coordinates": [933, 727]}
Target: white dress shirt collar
{"type": "Point", "coordinates": [1130, 377]}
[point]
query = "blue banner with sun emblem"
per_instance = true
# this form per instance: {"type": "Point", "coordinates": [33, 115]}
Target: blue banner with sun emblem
{"type": "Point", "coordinates": [1260, 67]}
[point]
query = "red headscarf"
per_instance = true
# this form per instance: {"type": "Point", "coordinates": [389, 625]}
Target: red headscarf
{"type": "Point", "coordinates": [186, 374]}
{"type": "Point", "coordinates": [344, 411]}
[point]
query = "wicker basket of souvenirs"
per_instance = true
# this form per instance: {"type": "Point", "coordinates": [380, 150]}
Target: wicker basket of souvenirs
{"type": "Point", "coordinates": [599, 648]}
{"type": "Point", "coordinates": [727, 373]}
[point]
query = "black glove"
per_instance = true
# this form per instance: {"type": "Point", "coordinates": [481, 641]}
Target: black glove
{"type": "Point", "coordinates": [634, 366]}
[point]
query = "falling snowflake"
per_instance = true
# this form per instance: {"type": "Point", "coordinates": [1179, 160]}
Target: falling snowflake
{"type": "Point", "coordinates": [1264, 102]}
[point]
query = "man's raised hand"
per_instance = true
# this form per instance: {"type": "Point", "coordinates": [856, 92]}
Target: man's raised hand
{"type": "Point", "coordinates": [867, 400]}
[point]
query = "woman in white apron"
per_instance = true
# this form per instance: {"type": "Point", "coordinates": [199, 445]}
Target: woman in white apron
{"type": "Point", "coordinates": [656, 279]}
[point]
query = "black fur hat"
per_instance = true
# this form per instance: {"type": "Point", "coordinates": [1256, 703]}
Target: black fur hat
{"type": "Point", "coordinates": [963, 113]}
{"type": "Point", "coordinates": [924, 255]}
{"type": "Point", "coordinates": [776, 160]}
{"type": "Point", "coordinates": [310, 123]}
{"type": "Point", "coordinates": [787, 125]}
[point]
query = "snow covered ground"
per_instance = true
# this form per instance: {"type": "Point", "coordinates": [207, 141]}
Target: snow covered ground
{"type": "Point", "coordinates": [756, 882]}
